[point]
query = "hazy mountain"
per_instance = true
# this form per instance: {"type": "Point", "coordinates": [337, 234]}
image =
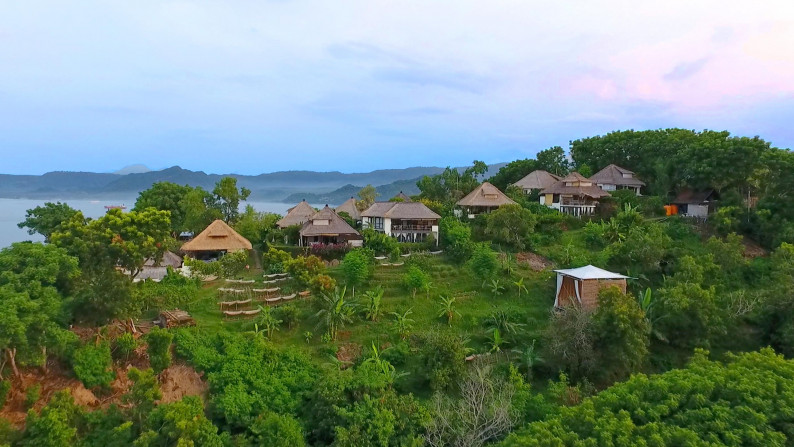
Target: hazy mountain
{"type": "Point", "coordinates": [275, 186]}
{"type": "Point", "coordinates": [271, 186]}
{"type": "Point", "coordinates": [337, 196]}
{"type": "Point", "coordinates": [132, 169]}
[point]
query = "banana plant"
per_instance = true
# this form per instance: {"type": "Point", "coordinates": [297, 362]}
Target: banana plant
{"type": "Point", "coordinates": [447, 309]}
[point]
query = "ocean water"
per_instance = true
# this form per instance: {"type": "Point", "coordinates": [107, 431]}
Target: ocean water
{"type": "Point", "coordinates": [12, 212]}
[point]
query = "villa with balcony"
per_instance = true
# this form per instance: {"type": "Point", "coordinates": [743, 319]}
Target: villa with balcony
{"type": "Point", "coordinates": [404, 221]}
{"type": "Point", "coordinates": [483, 199]}
{"type": "Point", "coordinates": [573, 194]}
{"type": "Point", "coordinates": [613, 178]}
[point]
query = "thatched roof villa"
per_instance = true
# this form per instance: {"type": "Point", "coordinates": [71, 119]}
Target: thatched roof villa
{"type": "Point", "coordinates": [326, 227]}
{"type": "Point", "coordinates": [217, 238]}
{"type": "Point", "coordinates": [297, 215]}
{"type": "Point", "coordinates": [484, 199]}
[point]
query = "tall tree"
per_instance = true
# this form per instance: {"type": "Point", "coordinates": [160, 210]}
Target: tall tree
{"type": "Point", "coordinates": [46, 219]}
{"type": "Point", "coordinates": [366, 197]}
{"type": "Point", "coordinates": [165, 196]}
{"type": "Point", "coordinates": [513, 172]}
{"type": "Point", "coordinates": [199, 209]}
{"type": "Point", "coordinates": [553, 160]}
{"type": "Point", "coordinates": [228, 198]}
{"type": "Point", "coordinates": [34, 279]}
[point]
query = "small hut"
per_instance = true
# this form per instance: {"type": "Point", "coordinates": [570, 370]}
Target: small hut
{"type": "Point", "coordinates": [326, 227]}
{"type": "Point", "coordinates": [536, 181]}
{"type": "Point", "coordinates": [297, 215]}
{"type": "Point", "coordinates": [156, 270]}
{"type": "Point", "coordinates": [218, 238]}
{"type": "Point", "coordinates": [350, 208]}
{"type": "Point", "coordinates": [698, 204]}
{"type": "Point", "coordinates": [582, 285]}
{"type": "Point", "coordinates": [484, 199]}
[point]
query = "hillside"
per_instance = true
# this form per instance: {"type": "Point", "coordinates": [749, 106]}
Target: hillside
{"type": "Point", "coordinates": [268, 186]}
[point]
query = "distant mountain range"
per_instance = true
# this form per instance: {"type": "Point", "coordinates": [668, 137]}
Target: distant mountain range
{"type": "Point", "coordinates": [287, 186]}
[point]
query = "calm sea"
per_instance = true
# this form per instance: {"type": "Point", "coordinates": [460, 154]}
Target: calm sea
{"type": "Point", "coordinates": [12, 211]}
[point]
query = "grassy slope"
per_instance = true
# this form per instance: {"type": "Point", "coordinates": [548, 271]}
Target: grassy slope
{"type": "Point", "coordinates": [447, 279]}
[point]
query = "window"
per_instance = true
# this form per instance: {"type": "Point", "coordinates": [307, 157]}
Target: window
{"type": "Point", "coordinates": [378, 223]}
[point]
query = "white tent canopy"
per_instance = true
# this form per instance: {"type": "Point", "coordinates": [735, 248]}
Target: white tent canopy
{"type": "Point", "coordinates": [590, 272]}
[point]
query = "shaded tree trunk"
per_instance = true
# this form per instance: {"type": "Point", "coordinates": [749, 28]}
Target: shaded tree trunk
{"type": "Point", "coordinates": [12, 354]}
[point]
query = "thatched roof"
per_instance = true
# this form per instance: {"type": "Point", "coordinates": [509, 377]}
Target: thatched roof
{"type": "Point", "coordinates": [400, 210]}
{"type": "Point", "coordinates": [576, 184]}
{"type": "Point", "coordinates": [218, 236]}
{"type": "Point", "coordinates": [296, 215]}
{"type": "Point", "coordinates": [326, 223]}
{"type": "Point", "coordinates": [615, 175]}
{"type": "Point", "coordinates": [169, 259]}
{"type": "Point", "coordinates": [538, 179]}
{"type": "Point", "coordinates": [349, 207]}
{"type": "Point", "coordinates": [688, 197]}
{"type": "Point", "coordinates": [402, 196]}
{"type": "Point", "coordinates": [486, 195]}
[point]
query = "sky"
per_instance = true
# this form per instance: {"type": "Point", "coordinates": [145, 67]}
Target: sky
{"type": "Point", "coordinates": [253, 86]}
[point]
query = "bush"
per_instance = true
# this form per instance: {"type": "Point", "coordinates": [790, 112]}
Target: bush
{"type": "Point", "coordinates": [273, 261]}
{"type": "Point", "coordinates": [32, 395]}
{"type": "Point", "coordinates": [5, 387]}
{"type": "Point", "coordinates": [92, 364]}
{"type": "Point", "coordinates": [330, 251]}
{"type": "Point", "coordinates": [288, 314]}
{"type": "Point", "coordinates": [322, 283]}
{"type": "Point", "coordinates": [125, 345]}
{"type": "Point", "coordinates": [378, 242]}
{"type": "Point", "coordinates": [483, 263]}
{"type": "Point", "coordinates": [456, 239]}
{"type": "Point", "coordinates": [304, 269]}
{"type": "Point", "coordinates": [415, 279]}
{"type": "Point", "coordinates": [358, 266]}
{"type": "Point", "coordinates": [441, 356]}
{"type": "Point", "coordinates": [277, 430]}
{"type": "Point", "coordinates": [159, 349]}
{"type": "Point", "coordinates": [234, 263]}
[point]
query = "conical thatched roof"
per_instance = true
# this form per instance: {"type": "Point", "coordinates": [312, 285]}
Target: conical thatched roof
{"type": "Point", "coordinates": [537, 180]}
{"type": "Point", "coordinates": [326, 223]}
{"type": "Point", "coordinates": [486, 195]}
{"type": "Point", "coordinates": [402, 196]}
{"type": "Point", "coordinates": [218, 236]}
{"type": "Point", "coordinates": [349, 207]}
{"type": "Point", "coordinates": [296, 215]}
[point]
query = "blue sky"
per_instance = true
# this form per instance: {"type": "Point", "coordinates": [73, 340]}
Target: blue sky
{"type": "Point", "coordinates": [251, 86]}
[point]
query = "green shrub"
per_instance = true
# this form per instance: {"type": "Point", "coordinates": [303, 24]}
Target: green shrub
{"type": "Point", "coordinates": [92, 364]}
{"type": "Point", "coordinates": [234, 263]}
{"type": "Point", "coordinates": [32, 395]}
{"type": "Point", "coordinates": [277, 430]}
{"type": "Point", "coordinates": [288, 314]}
{"type": "Point", "coordinates": [5, 387]}
{"type": "Point", "coordinates": [125, 345]}
{"type": "Point", "coordinates": [159, 349]}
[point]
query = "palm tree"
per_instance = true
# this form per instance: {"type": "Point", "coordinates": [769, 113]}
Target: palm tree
{"type": "Point", "coordinates": [373, 297]}
{"type": "Point", "coordinates": [520, 286]}
{"type": "Point", "coordinates": [402, 323]}
{"type": "Point", "coordinates": [447, 309]}
{"type": "Point", "coordinates": [268, 321]}
{"type": "Point", "coordinates": [529, 358]}
{"type": "Point", "coordinates": [336, 312]}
